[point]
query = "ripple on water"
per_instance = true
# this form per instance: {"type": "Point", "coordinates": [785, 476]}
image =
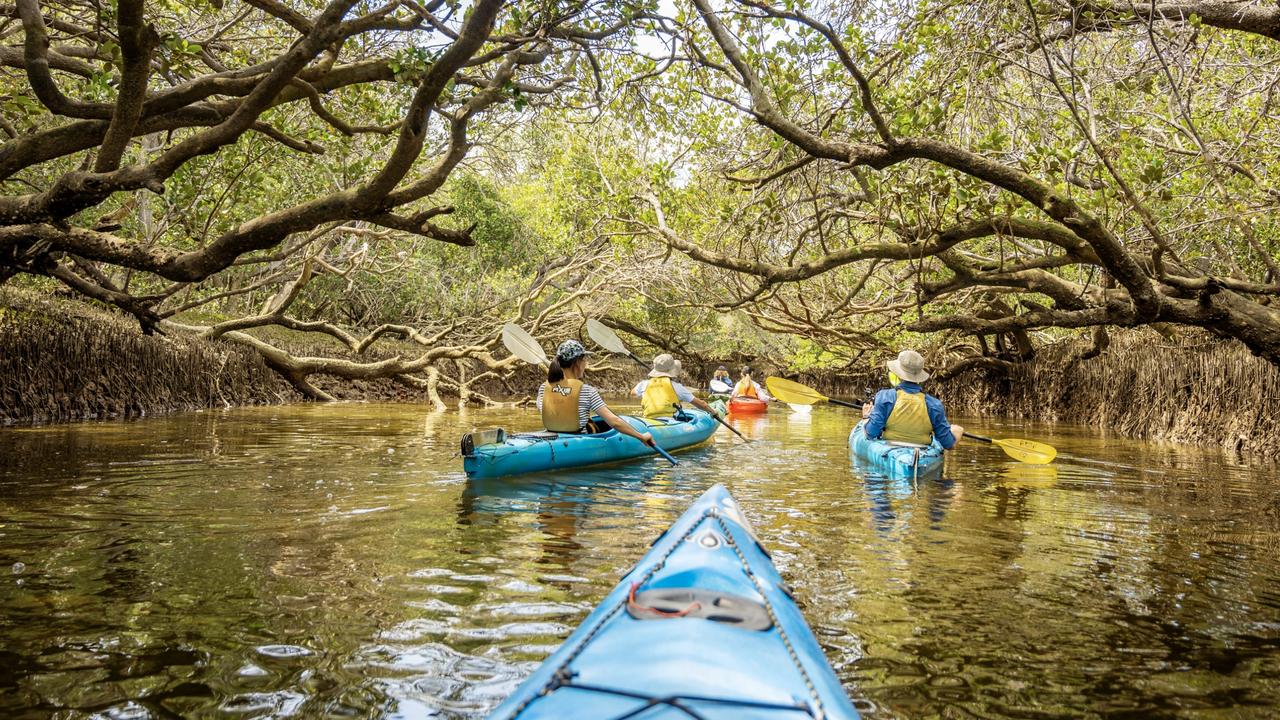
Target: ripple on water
{"type": "Point", "coordinates": [282, 703]}
{"type": "Point", "coordinates": [535, 609]}
{"type": "Point", "coordinates": [283, 652]}
{"type": "Point", "coordinates": [125, 711]}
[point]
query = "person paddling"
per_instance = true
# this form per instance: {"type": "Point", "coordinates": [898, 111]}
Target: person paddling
{"type": "Point", "coordinates": [567, 403]}
{"type": "Point", "coordinates": [905, 413]}
{"type": "Point", "coordinates": [747, 387]}
{"type": "Point", "coordinates": [661, 391]}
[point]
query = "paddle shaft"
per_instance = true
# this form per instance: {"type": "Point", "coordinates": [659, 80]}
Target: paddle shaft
{"type": "Point", "coordinates": [654, 444]}
{"type": "Point", "coordinates": [847, 404]}
{"type": "Point", "coordinates": [722, 421]}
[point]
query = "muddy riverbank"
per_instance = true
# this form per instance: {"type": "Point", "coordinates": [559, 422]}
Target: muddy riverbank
{"type": "Point", "coordinates": [63, 361]}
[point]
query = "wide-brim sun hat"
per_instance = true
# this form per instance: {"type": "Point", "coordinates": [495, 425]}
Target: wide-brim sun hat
{"type": "Point", "coordinates": [663, 366]}
{"type": "Point", "coordinates": [909, 366]}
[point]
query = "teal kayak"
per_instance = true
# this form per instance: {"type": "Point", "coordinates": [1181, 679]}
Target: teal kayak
{"type": "Point", "coordinates": [496, 454]}
{"type": "Point", "coordinates": [702, 627]}
{"type": "Point", "coordinates": [896, 460]}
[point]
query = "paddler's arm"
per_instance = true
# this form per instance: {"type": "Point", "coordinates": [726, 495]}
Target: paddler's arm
{"type": "Point", "coordinates": [686, 395]}
{"type": "Point", "coordinates": [702, 405]}
{"type": "Point", "coordinates": [623, 426]}
{"type": "Point", "coordinates": [946, 433]}
{"type": "Point", "coordinates": [878, 415]}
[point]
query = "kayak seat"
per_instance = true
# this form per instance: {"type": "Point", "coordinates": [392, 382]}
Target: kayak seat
{"type": "Point", "coordinates": [596, 426]}
{"type": "Point", "coordinates": [537, 435]}
{"type": "Point", "coordinates": [670, 603]}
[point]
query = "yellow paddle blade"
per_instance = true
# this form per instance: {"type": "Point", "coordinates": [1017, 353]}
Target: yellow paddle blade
{"type": "Point", "coordinates": [1027, 451]}
{"type": "Point", "coordinates": [790, 391]}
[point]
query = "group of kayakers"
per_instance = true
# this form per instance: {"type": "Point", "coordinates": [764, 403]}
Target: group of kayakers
{"type": "Point", "coordinates": [723, 385]}
{"type": "Point", "coordinates": [902, 412]}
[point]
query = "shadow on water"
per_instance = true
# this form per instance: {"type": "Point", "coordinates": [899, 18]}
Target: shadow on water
{"type": "Point", "coordinates": [321, 561]}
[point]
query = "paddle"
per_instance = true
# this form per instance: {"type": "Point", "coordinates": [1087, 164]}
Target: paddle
{"type": "Point", "coordinates": [526, 347]}
{"type": "Point", "coordinates": [663, 453]}
{"type": "Point", "coordinates": [606, 338]}
{"type": "Point", "coordinates": [523, 345]}
{"type": "Point", "coordinates": [1027, 451]}
{"type": "Point", "coordinates": [793, 393]}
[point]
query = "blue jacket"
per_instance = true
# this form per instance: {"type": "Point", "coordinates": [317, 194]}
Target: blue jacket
{"type": "Point", "coordinates": [883, 405]}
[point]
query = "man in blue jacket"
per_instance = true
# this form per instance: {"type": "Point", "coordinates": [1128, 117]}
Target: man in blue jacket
{"type": "Point", "coordinates": [905, 413]}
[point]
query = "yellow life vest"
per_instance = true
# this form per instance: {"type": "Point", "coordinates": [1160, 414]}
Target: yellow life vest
{"type": "Point", "coordinates": [909, 421]}
{"type": "Point", "coordinates": [659, 396]}
{"type": "Point", "coordinates": [745, 388]}
{"type": "Point", "coordinates": [560, 406]}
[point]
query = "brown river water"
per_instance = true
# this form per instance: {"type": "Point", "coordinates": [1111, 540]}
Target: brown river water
{"type": "Point", "coordinates": [333, 561]}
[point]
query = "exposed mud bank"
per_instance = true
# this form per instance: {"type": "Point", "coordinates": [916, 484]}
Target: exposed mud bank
{"type": "Point", "coordinates": [1196, 390]}
{"type": "Point", "coordinates": [62, 360]}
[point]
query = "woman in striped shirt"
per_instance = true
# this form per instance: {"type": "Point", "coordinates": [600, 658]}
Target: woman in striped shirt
{"type": "Point", "coordinates": [567, 403]}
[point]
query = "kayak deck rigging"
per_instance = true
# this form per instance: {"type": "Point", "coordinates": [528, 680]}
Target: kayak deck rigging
{"type": "Point", "coordinates": [714, 529]}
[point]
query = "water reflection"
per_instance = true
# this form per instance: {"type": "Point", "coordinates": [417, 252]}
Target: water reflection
{"type": "Point", "coordinates": [893, 501]}
{"type": "Point", "coordinates": [323, 561]}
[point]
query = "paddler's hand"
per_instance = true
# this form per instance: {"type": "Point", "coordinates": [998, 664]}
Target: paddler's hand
{"type": "Point", "coordinates": [866, 410]}
{"type": "Point", "coordinates": [647, 439]}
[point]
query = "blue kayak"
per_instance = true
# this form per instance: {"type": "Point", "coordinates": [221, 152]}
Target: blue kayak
{"type": "Point", "coordinates": [533, 452]}
{"type": "Point", "coordinates": [897, 460]}
{"type": "Point", "coordinates": [701, 627]}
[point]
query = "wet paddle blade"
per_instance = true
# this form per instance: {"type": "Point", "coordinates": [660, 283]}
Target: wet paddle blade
{"type": "Point", "coordinates": [605, 337]}
{"type": "Point", "coordinates": [523, 345]}
{"type": "Point", "coordinates": [792, 392]}
{"type": "Point", "coordinates": [1027, 451]}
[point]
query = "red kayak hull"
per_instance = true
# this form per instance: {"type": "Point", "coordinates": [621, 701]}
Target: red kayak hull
{"type": "Point", "coordinates": [747, 406]}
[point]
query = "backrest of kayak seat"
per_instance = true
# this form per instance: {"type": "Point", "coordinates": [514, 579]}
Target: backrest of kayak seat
{"type": "Point", "coordinates": [476, 438]}
{"type": "Point", "coordinates": [671, 603]}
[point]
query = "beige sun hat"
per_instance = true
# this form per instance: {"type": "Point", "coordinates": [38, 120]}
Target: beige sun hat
{"type": "Point", "coordinates": [663, 366]}
{"type": "Point", "coordinates": [679, 371]}
{"type": "Point", "coordinates": [909, 366]}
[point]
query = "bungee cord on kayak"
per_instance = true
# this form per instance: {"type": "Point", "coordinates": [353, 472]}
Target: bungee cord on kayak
{"type": "Point", "coordinates": [678, 702]}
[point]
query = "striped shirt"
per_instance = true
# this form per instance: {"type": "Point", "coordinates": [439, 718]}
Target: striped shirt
{"type": "Point", "coordinates": [589, 401]}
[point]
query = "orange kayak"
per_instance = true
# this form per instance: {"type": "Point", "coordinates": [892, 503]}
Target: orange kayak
{"type": "Point", "coordinates": [747, 406]}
